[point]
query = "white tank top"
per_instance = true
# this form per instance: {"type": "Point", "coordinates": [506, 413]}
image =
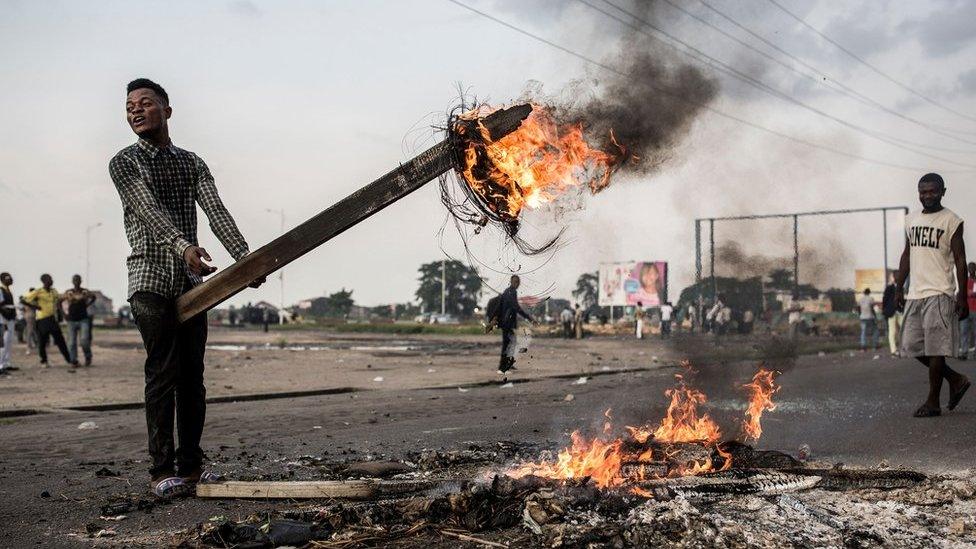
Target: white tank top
{"type": "Point", "coordinates": [932, 269]}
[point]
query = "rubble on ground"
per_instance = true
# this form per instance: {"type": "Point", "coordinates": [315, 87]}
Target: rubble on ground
{"type": "Point", "coordinates": [786, 504]}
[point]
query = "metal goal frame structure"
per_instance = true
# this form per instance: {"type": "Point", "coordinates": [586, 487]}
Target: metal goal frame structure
{"type": "Point", "coordinates": [796, 237]}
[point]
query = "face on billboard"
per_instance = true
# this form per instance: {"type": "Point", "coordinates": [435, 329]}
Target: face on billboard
{"type": "Point", "coordinates": [646, 283]}
{"type": "Point", "coordinates": [630, 282]}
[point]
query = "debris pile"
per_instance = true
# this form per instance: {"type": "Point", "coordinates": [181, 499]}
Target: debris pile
{"type": "Point", "coordinates": [772, 500]}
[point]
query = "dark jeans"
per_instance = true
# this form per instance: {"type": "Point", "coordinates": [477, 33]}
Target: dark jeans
{"type": "Point", "coordinates": [49, 328]}
{"type": "Point", "coordinates": [665, 328]}
{"type": "Point", "coordinates": [508, 351]}
{"type": "Point", "coordinates": [174, 382]}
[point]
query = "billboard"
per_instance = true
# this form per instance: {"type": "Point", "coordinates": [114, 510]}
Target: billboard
{"type": "Point", "coordinates": [869, 278]}
{"type": "Point", "coordinates": [626, 283]}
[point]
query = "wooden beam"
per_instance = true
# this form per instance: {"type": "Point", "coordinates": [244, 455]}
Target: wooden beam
{"type": "Point", "coordinates": [313, 489]}
{"type": "Point", "coordinates": [349, 211]}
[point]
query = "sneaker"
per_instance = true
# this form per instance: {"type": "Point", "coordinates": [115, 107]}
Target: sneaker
{"type": "Point", "coordinates": [44, 364]}
{"type": "Point", "coordinates": [500, 372]}
{"type": "Point", "coordinates": [87, 362]}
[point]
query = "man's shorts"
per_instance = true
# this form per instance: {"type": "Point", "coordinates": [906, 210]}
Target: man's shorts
{"type": "Point", "coordinates": [930, 327]}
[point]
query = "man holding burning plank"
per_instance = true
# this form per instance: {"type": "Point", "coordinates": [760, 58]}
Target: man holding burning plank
{"type": "Point", "coordinates": [935, 257]}
{"type": "Point", "coordinates": [160, 186]}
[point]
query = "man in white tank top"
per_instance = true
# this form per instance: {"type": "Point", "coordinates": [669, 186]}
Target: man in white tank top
{"type": "Point", "coordinates": [934, 262]}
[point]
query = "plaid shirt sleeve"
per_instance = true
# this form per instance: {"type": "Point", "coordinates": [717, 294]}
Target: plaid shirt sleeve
{"type": "Point", "coordinates": [137, 197]}
{"type": "Point", "coordinates": [221, 222]}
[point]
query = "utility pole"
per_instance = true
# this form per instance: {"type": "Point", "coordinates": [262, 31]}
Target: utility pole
{"type": "Point", "coordinates": [88, 231]}
{"type": "Point", "coordinates": [281, 273]}
{"type": "Point", "coordinates": [443, 286]}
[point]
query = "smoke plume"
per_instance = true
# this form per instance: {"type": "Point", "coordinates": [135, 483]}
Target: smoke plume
{"type": "Point", "coordinates": [647, 108]}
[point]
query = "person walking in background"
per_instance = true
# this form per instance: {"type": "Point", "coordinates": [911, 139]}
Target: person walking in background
{"type": "Point", "coordinates": [30, 324]}
{"type": "Point", "coordinates": [934, 260]}
{"type": "Point", "coordinates": [794, 317]}
{"type": "Point", "coordinates": [869, 321]}
{"type": "Point", "coordinates": [967, 326]}
{"type": "Point", "coordinates": [8, 322]}
{"type": "Point", "coordinates": [508, 315]}
{"type": "Point", "coordinates": [889, 309]}
{"type": "Point", "coordinates": [45, 301]}
{"type": "Point", "coordinates": [692, 317]}
{"type": "Point", "coordinates": [748, 321]}
{"type": "Point", "coordinates": [639, 317]}
{"type": "Point", "coordinates": [578, 321]}
{"type": "Point", "coordinates": [566, 317]}
{"type": "Point", "coordinates": [79, 300]}
{"type": "Point", "coordinates": [667, 312]}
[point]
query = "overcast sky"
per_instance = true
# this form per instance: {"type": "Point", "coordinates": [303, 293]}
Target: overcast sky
{"type": "Point", "coordinates": [296, 104]}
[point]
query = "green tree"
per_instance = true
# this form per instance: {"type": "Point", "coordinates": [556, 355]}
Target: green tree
{"type": "Point", "coordinates": [781, 279]}
{"type": "Point", "coordinates": [463, 288]}
{"type": "Point", "coordinates": [336, 305]}
{"type": "Point", "coordinates": [587, 291]}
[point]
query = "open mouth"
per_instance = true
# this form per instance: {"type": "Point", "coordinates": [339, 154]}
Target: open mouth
{"type": "Point", "coordinates": [138, 120]}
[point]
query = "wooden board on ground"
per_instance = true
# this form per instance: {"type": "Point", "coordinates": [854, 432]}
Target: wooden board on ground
{"type": "Point", "coordinates": [311, 489]}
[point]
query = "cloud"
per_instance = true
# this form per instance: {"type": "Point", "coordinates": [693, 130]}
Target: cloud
{"type": "Point", "coordinates": [944, 31]}
{"type": "Point", "coordinates": [966, 83]}
{"type": "Point", "coordinates": [245, 7]}
{"type": "Point", "coordinates": [864, 30]}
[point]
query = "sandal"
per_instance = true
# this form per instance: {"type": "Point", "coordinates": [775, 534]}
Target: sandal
{"type": "Point", "coordinates": [202, 477]}
{"type": "Point", "coordinates": [169, 487]}
{"type": "Point", "coordinates": [925, 411]}
{"type": "Point", "coordinates": [955, 397]}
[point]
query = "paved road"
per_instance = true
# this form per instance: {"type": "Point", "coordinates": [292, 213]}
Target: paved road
{"type": "Point", "coordinates": [852, 409]}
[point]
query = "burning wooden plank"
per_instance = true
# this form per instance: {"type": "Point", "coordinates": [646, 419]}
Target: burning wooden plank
{"type": "Point", "coordinates": [353, 209]}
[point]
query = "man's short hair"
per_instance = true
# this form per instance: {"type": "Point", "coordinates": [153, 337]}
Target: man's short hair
{"type": "Point", "coordinates": [4, 274]}
{"type": "Point", "coordinates": [867, 290]}
{"type": "Point", "coordinates": [140, 83]}
{"type": "Point", "coordinates": [45, 275]}
{"type": "Point", "coordinates": [933, 178]}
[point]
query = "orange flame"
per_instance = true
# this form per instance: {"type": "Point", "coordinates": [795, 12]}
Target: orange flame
{"type": "Point", "coordinates": [761, 391]}
{"type": "Point", "coordinates": [532, 165]}
{"type": "Point", "coordinates": [682, 422]}
{"type": "Point", "coordinates": [603, 460]}
{"type": "Point", "coordinates": [599, 460]}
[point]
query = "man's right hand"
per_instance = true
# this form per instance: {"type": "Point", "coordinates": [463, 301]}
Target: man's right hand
{"type": "Point", "coordinates": [194, 256]}
{"type": "Point", "coordinates": [900, 298]}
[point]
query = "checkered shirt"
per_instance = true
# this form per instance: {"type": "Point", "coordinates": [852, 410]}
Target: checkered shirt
{"type": "Point", "coordinates": [159, 188]}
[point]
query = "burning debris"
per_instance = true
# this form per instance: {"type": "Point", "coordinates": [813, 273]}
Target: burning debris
{"type": "Point", "coordinates": [772, 500]}
{"type": "Point", "coordinates": [685, 442]}
{"type": "Point", "coordinates": [672, 482]}
{"type": "Point", "coordinates": [530, 166]}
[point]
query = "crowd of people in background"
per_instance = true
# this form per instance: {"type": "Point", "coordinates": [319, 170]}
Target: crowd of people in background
{"type": "Point", "coordinates": [35, 319]}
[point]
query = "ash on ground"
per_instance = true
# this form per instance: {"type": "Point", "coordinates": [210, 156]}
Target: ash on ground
{"type": "Point", "coordinates": [808, 506]}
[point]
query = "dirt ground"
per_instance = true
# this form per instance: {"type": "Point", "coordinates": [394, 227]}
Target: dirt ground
{"type": "Point", "coordinates": [364, 397]}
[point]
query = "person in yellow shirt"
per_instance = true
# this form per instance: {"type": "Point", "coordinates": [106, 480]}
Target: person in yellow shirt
{"type": "Point", "coordinates": [44, 301]}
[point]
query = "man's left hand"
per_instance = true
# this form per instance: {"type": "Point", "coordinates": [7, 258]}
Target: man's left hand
{"type": "Point", "coordinates": [258, 282]}
{"type": "Point", "coordinates": [962, 306]}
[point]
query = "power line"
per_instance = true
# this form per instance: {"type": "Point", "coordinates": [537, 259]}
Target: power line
{"type": "Point", "coordinates": [683, 99]}
{"type": "Point", "coordinates": [831, 83]}
{"type": "Point", "coordinates": [869, 65]}
{"type": "Point", "coordinates": [727, 69]}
